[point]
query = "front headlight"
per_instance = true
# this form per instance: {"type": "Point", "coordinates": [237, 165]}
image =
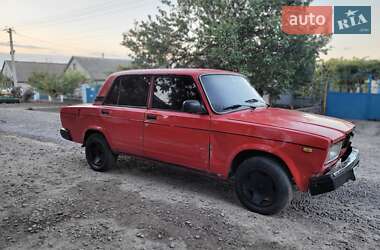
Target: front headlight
{"type": "Point", "coordinates": [334, 152]}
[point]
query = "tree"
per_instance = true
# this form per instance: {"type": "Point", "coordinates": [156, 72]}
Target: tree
{"type": "Point", "coordinates": [351, 74]}
{"type": "Point", "coordinates": [69, 82]}
{"type": "Point", "coordinates": [5, 82]}
{"type": "Point", "coordinates": [55, 85]}
{"type": "Point", "coordinates": [238, 35]}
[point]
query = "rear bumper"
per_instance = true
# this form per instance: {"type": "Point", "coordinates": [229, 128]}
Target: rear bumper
{"type": "Point", "coordinates": [337, 176]}
{"type": "Point", "coordinates": [65, 134]}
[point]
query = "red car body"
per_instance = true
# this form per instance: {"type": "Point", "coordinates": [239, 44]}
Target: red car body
{"type": "Point", "coordinates": [212, 142]}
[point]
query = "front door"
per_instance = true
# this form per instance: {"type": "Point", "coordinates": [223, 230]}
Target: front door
{"type": "Point", "coordinates": [123, 113]}
{"type": "Point", "coordinates": [171, 135]}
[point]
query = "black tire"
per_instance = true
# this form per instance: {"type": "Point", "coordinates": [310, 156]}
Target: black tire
{"type": "Point", "coordinates": [263, 186]}
{"type": "Point", "coordinates": [116, 156]}
{"type": "Point", "coordinates": [98, 153]}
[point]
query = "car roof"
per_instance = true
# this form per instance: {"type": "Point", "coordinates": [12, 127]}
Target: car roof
{"type": "Point", "coordinates": [176, 71]}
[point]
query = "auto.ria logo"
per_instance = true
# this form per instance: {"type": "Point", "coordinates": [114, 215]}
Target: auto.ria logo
{"type": "Point", "coordinates": [308, 20]}
{"type": "Point", "coordinates": [352, 19]}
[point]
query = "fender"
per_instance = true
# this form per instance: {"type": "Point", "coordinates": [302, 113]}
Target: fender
{"type": "Point", "coordinates": [98, 129]}
{"type": "Point", "coordinates": [277, 152]}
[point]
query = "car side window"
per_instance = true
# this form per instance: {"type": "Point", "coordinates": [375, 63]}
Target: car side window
{"type": "Point", "coordinates": [171, 91]}
{"type": "Point", "coordinates": [129, 91]}
{"type": "Point", "coordinates": [113, 95]}
{"type": "Point", "coordinates": [134, 91]}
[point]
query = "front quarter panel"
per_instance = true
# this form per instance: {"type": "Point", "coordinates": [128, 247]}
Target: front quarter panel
{"type": "Point", "coordinates": [227, 145]}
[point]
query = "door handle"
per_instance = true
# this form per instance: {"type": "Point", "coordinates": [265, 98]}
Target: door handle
{"type": "Point", "coordinates": [151, 117]}
{"type": "Point", "coordinates": [105, 112]}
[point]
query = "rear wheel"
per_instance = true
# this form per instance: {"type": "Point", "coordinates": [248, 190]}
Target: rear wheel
{"type": "Point", "coordinates": [263, 186]}
{"type": "Point", "coordinates": [98, 153]}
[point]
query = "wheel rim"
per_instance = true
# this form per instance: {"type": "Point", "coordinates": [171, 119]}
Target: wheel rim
{"type": "Point", "coordinates": [96, 154]}
{"type": "Point", "coordinates": [259, 189]}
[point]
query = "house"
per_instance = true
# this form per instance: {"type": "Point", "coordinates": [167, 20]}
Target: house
{"type": "Point", "coordinates": [96, 69]}
{"type": "Point", "coordinates": [25, 69]}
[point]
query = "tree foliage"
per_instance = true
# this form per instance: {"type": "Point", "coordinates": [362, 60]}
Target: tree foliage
{"type": "Point", "coordinates": [238, 35]}
{"type": "Point", "coordinates": [5, 82]}
{"type": "Point", "coordinates": [55, 85]}
{"type": "Point", "coordinates": [351, 74]}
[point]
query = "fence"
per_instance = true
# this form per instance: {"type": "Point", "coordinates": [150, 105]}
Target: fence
{"type": "Point", "coordinates": [357, 106]}
{"type": "Point", "coordinates": [87, 92]}
{"type": "Point", "coordinates": [40, 97]}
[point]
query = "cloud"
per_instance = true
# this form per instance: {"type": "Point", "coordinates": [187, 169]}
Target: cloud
{"type": "Point", "coordinates": [24, 46]}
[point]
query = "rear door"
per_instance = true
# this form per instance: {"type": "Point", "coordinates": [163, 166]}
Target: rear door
{"type": "Point", "coordinates": [123, 113]}
{"type": "Point", "coordinates": [171, 135]}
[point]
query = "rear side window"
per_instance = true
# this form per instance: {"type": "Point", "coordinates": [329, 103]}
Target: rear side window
{"type": "Point", "coordinates": [171, 91]}
{"type": "Point", "coordinates": [129, 91]}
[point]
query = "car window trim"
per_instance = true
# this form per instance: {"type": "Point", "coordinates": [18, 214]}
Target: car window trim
{"type": "Point", "coordinates": [109, 93]}
{"type": "Point", "coordinates": [128, 106]}
{"type": "Point", "coordinates": [154, 77]}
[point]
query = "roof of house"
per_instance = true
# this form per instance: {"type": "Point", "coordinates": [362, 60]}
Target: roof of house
{"type": "Point", "coordinates": [99, 68]}
{"type": "Point", "coordinates": [25, 69]}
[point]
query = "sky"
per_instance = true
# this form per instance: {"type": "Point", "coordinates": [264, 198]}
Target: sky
{"type": "Point", "coordinates": [54, 30]}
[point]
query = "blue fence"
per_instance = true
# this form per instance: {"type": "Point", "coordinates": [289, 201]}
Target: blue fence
{"type": "Point", "coordinates": [89, 92]}
{"type": "Point", "coordinates": [38, 96]}
{"type": "Point", "coordinates": [357, 106]}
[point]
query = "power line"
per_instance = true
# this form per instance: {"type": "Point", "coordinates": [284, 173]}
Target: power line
{"type": "Point", "coordinates": [87, 51]}
{"type": "Point", "coordinates": [96, 10]}
{"type": "Point", "coordinates": [100, 33]}
{"type": "Point", "coordinates": [75, 11]}
{"type": "Point", "coordinates": [53, 43]}
{"type": "Point", "coordinates": [86, 15]}
{"type": "Point", "coordinates": [89, 33]}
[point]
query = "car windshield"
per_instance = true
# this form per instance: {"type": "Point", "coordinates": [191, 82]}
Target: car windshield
{"type": "Point", "coordinates": [230, 92]}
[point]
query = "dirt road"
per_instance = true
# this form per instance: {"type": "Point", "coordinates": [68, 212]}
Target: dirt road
{"type": "Point", "coordinates": [51, 199]}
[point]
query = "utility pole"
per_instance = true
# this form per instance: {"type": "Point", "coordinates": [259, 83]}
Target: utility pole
{"type": "Point", "coordinates": [10, 32]}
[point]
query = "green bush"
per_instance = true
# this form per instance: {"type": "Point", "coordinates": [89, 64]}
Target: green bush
{"type": "Point", "coordinates": [55, 85]}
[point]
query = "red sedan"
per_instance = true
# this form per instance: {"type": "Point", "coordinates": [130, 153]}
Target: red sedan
{"type": "Point", "coordinates": [214, 121]}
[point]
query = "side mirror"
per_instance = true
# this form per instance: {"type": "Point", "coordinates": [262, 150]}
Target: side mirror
{"type": "Point", "coordinates": [193, 107]}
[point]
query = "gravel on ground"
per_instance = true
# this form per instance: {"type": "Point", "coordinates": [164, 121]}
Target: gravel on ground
{"type": "Point", "coordinates": [50, 199]}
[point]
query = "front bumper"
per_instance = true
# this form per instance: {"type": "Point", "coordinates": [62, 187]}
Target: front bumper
{"type": "Point", "coordinates": [337, 176]}
{"type": "Point", "coordinates": [65, 134]}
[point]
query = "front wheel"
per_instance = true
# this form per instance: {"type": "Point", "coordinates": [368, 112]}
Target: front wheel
{"type": "Point", "coordinates": [263, 186]}
{"type": "Point", "coordinates": [98, 154]}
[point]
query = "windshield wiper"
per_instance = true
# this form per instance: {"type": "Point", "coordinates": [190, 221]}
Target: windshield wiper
{"type": "Point", "coordinates": [253, 100]}
{"type": "Point", "coordinates": [236, 106]}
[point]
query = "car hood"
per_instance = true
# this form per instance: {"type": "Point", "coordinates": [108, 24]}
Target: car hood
{"type": "Point", "coordinates": [331, 128]}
